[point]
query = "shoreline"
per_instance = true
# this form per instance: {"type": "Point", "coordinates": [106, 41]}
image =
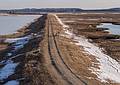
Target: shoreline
{"type": "Point", "coordinates": [22, 31]}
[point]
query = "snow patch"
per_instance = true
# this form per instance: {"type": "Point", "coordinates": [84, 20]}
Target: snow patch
{"type": "Point", "coordinates": [13, 82]}
{"type": "Point", "coordinates": [9, 54]}
{"type": "Point", "coordinates": [116, 39]}
{"type": "Point", "coordinates": [22, 39]}
{"type": "Point", "coordinates": [109, 68]}
{"type": "Point", "coordinates": [7, 70]}
{"type": "Point", "coordinates": [18, 43]}
{"type": "Point", "coordinates": [65, 26]}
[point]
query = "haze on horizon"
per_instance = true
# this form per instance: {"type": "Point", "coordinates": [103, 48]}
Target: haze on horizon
{"type": "Point", "coordinates": [85, 4]}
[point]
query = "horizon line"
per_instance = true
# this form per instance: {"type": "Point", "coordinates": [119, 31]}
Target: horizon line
{"type": "Point", "coordinates": [57, 7]}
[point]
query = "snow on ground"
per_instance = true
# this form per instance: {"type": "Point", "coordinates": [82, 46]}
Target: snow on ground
{"type": "Point", "coordinates": [23, 39]}
{"type": "Point", "coordinates": [13, 82]}
{"type": "Point", "coordinates": [116, 39]}
{"type": "Point", "coordinates": [7, 70]}
{"type": "Point", "coordinates": [8, 65]}
{"type": "Point", "coordinates": [18, 43]}
{"type": "Point", "coordinates": [65, 26]}
{"type": "Point", "coordinates": [109, 69]}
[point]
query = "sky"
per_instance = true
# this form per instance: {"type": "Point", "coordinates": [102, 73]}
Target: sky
{"type": "Point", "coordinates": [85, 4]}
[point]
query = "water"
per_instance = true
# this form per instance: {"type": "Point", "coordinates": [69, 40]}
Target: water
{"type": "Point", "coordinates": [10, 24]}
{"type": "Point", "coordinates": [113, 29]}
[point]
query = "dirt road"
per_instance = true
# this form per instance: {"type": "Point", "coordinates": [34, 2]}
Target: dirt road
{"type": "Point", "coordinates": [56, 58]}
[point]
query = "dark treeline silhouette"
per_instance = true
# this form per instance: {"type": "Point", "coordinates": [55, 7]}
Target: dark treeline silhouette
{"type": "Point", "coordinates": [56, 10]}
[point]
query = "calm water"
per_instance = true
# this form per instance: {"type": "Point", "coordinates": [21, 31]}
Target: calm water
{"type": "Point", "coordinates": [114, 29]}
{"type": "Point", "coordinates": [10, 24]}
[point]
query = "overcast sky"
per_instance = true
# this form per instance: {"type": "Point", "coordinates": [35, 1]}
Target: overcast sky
{"type": "Point", "coordinates": [86, 4]}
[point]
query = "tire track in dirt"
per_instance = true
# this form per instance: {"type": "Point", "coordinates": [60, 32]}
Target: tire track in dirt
{"type": "Point", "coordinates": [70, 77]}
{"type": "Point", "coordinates": [51, 56]}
